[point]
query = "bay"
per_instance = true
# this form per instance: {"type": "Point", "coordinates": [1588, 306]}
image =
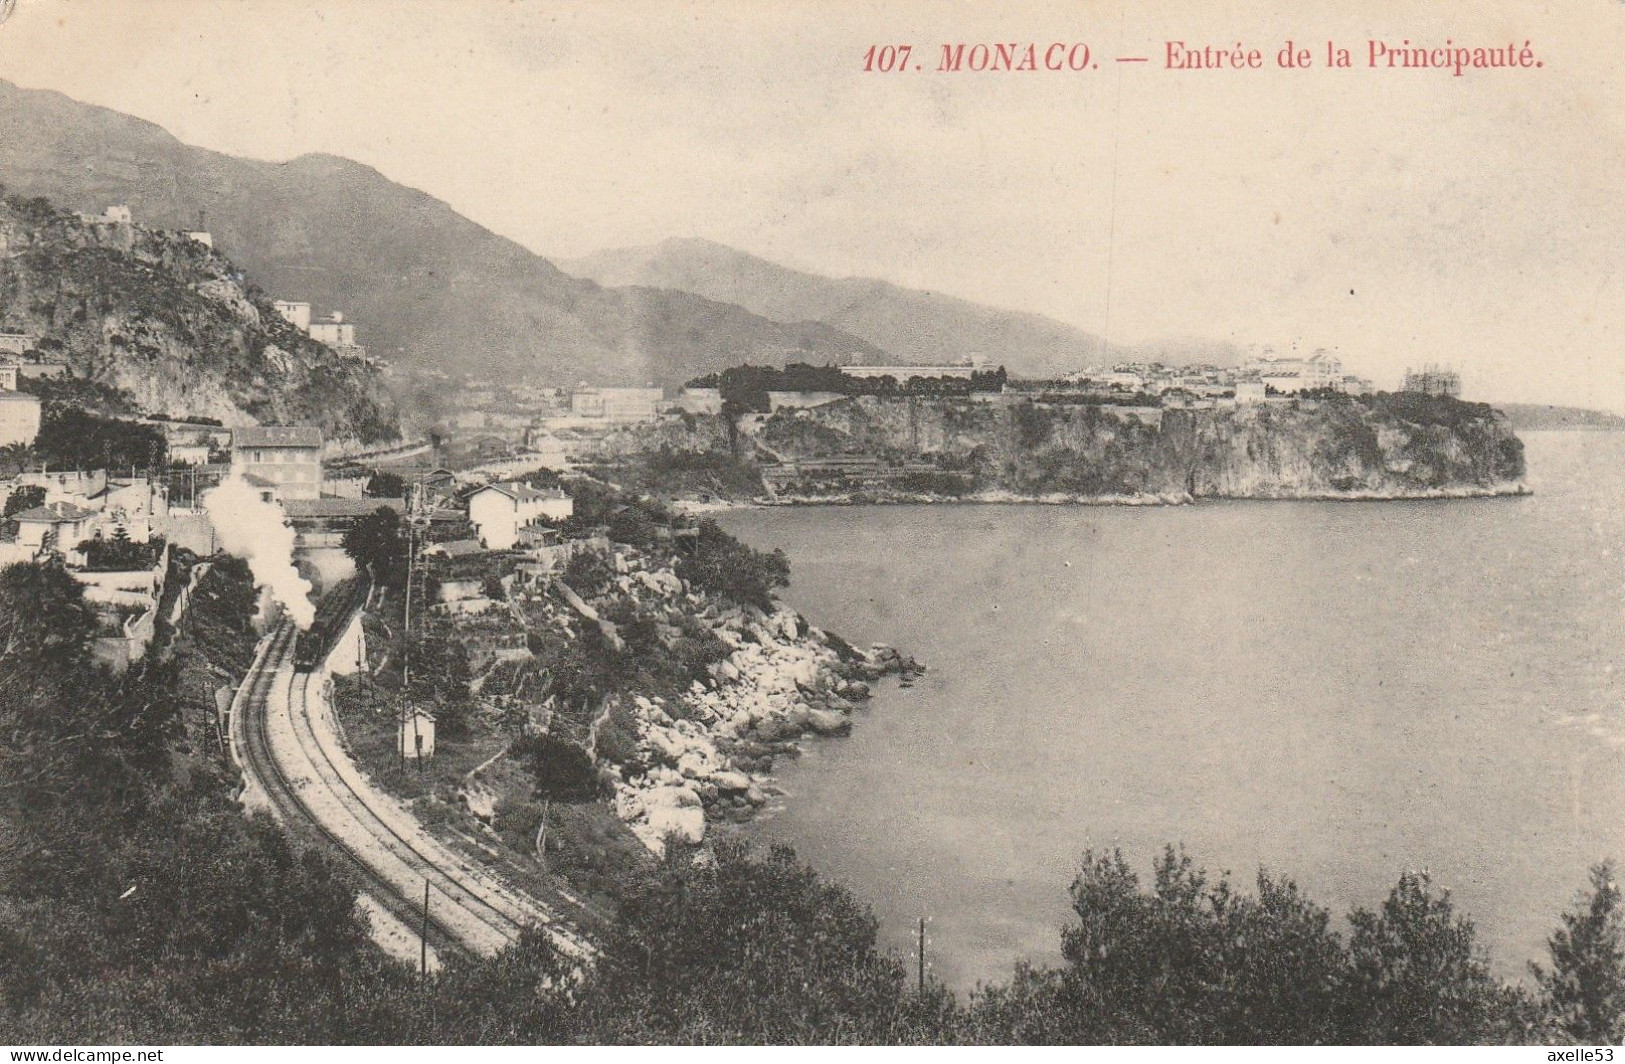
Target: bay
{"type": "Point", "coordinates": [1334, 691]}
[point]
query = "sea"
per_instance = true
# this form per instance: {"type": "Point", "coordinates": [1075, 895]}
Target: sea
{"type": "Point", "coordinates": [1335, 692]}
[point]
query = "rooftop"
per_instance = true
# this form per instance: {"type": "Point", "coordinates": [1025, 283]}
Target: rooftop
{"type": "Point", "coordinates": [277, 436]}
{"type": "Point", "coordinates": [53, 513]}
{"type": "Point", "coordinates": [522, 492]}
{"type": "Point", "coordinates": [295, 508]}
{"type": "Point", "coordinates": [457, 548]}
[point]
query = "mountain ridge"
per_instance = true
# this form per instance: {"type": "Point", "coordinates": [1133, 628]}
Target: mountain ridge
{"type": "Point", "coordinates": [427, 287]}
{"type": "Point", "coordinates": [913, 325]}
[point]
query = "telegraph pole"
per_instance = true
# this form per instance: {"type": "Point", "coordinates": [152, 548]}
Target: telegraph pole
{"type": "Point", "coordinates": [414, 500]}
{"type": "Point", "coordinates": [406, 645]}
{"type": "Point", "coordinates": [922, 956]}
{"type": "Point", "coordinates": [423, 936]}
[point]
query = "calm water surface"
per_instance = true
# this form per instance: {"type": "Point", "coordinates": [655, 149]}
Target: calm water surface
{"type": "Point", "coordinates": [1337, 691]}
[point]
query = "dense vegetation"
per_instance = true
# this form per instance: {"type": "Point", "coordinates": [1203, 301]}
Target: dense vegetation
{"type": "Point", "coordinates": [70, 438]}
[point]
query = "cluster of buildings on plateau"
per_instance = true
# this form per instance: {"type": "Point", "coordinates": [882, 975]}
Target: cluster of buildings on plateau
{"type": "Point", "coordinates": [1433, 379]}
{"type": "Point", "coordinates": [1260, 376]}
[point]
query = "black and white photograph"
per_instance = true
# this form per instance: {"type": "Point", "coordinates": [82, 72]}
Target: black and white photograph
{"type": "Point", "coordinates": [811, 522]}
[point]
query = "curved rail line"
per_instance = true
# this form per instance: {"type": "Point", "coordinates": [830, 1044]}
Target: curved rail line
{"type": "Point", "coordinates": [501, 920]}
{"type": "Point", "coordinates": [485, 914]}
{"type": "Point", "coordinates": [293, 810]}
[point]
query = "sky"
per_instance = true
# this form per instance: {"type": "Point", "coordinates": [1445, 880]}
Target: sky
{"type": "Point", "coordinates": [1397, 216]}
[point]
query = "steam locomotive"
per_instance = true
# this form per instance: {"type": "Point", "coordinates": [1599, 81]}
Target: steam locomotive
{"type": "Point", "coordinates": [332, 616]}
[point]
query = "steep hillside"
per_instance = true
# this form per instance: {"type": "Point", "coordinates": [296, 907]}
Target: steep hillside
{"type": "Point", "coordinates": [912, 325]}
{"type": "Point", "coordinates": [174, 325]}
{"type": "Point", "coordinates": [426, 286]}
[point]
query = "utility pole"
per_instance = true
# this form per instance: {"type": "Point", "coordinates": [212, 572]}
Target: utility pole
{"type": "Point", "coordinates": [423, 936]}
{"type": "Point", "coordinates": [406, 646]}
{"type": "Point", "coordinates": [414, 500]}
{"type": "Point", "coordinates": [922, 956]}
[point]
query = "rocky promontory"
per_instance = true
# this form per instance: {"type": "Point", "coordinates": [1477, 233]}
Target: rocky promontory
{"type": "Point", "coordinates": [1027, 448]}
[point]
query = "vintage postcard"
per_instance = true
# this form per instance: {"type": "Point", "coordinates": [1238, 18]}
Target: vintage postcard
{"type": "Point", "coordinates": [546, 522]}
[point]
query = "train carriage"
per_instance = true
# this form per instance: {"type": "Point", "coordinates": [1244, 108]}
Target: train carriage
{"type": "Point", "coordinates": [332, 616]}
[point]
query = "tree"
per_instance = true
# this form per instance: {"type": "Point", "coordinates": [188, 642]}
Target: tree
{"type": "Point", "coordinates": [14, 458]}
{"type": "Point", "coordinates": [386, 486]}
{"type": "Point", "coordinates": [377, 544]}
{"type": "Point", "coordinates": [71, 438]}
{"type": "Point", "coordinates": [564, 771]}
{"type": "Point", "coordinates": [44, 621]}
{"type": "Point", "coordinates": [1585, 987]}
{"type": "Point", "coordinates": [722, 565]}
{"type": "Point", "coordinates": [748, 949]}
{"type": "Point", "coordinates": [1190, 961]}
{"type": "Point", "coordinates": [441, 675]}
{"type": "Point", "coordinates": [24, 498]}
{"type": "Point", "coordinates": [1417, 976]}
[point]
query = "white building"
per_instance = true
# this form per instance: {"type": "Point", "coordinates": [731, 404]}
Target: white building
{"type": "Point", "coordinates": [61, 526]}
{"type": "Point", "coordinates": [82, 487]}
{"type": "Point", "coordinates": [8, 376]}
{"type": "Point", "coordinates": [500, 510]}
{"type": "Point", "coordinates": [297, 313]}
{"type": "Point", "coordinates": [286, 456]}
{"type": "Point", "coordinates": [700, 400]}
{"type": "Point", "coordinates": [1320, 370]}
{"type": "Point", "coordinates": [1250, 391]}
{"type": "Point", "coordinates": [617, 404]}
{"type": "Point", "coordinates": [19, 418]}
{"type": "Point", "coordinates": [333, 331]}
{"type": "Point", "coordinates": [13, 343]}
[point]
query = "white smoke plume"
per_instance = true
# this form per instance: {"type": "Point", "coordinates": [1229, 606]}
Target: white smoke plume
{"type": "Point", "coordinates": [258, 532]}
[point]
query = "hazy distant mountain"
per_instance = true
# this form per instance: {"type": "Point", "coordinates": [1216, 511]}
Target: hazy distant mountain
{"type": "Point", "coordinates": [425, 285]}
{"type": "Point", "coordinates": [1534, 417]}
{"type": "Point", "coordinates": [912, 325]}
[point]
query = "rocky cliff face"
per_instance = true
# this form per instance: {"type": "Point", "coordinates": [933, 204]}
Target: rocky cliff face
{"type": "Point", "coordinates": [1378, 446]}
{"type": "Point", "coordinates": [1390, 445]}
{"type": "Point", "coordinates": [175, 325]}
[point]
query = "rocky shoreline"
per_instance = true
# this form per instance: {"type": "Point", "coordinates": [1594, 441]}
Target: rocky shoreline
{"type": "Point", "coordinates": [1001, 498]}
{"type": "Point", "coordinates": [711, 750]}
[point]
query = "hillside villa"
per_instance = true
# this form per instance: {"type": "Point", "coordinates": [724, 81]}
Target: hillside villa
{"type": "Point", "coordinates": [500, 510]}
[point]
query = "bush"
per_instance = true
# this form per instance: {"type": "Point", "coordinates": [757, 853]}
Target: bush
{"type": "Point", "coordinates": [722, 565]}
{"type": "Point", "coordinates": [743, 948]}
{"type": "Point", "coordinates": [589, 573]}
{"type": "Point", "coordinates": [564, 772]}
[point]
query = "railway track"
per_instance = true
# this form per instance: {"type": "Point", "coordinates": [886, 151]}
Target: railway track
{"type": "Point", "coordinates": [312, 787]}
{"type": "Point", "coordinates": [260, 760]}
{"type": "Point", "coordinates": [501, 917]}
